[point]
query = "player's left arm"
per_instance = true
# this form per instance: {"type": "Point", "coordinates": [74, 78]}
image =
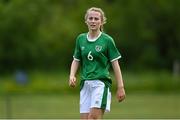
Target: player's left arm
{"type": "Point", "coordinates": [118, 76]}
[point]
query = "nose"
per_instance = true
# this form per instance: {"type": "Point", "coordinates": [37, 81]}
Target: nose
{"type": "Point", "coordinates": [93, 20]}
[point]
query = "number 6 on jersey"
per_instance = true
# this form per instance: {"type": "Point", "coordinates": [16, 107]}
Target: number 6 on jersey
{"type": "Point", "coordinates": [90, 57]}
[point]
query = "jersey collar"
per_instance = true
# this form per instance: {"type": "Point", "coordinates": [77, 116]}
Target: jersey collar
{"type": "Point", "coordinates": [93, 40]}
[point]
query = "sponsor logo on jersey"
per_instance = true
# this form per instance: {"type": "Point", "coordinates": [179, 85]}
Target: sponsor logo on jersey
{"type": "Point", "coordinates": [98, 48]}
{"type": "Point", "coordinates": [82, 48]}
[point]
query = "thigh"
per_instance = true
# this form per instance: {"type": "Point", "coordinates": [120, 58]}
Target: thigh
{"type": "Point", "coordinates": [85, 99]}
{"type": "Point", "coordinates": [97, 97]}
{"type": "Point", "coordinates": [96, 113]}
{"type": "Point", "coordinates": [84, 115]}
{"type": "Point", "coordinates": [101, 96]}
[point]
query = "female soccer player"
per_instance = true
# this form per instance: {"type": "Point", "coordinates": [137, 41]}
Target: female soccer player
{"type": "Point", "coordinates": [95, 51]}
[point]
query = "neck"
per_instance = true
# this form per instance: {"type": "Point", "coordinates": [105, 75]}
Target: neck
{"type": "Point", "coordinates": [93, 34]}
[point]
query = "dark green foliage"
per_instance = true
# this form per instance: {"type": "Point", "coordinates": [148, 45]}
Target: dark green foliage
{"type": "Point", "coordinates": [40, 34]}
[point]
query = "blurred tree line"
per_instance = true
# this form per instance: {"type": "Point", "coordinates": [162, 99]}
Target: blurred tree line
{"type": "Point", "coordinates": [40, 34]}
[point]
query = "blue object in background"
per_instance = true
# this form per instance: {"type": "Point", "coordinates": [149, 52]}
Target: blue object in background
{"type": "Point", "coordinates": [21, 77]}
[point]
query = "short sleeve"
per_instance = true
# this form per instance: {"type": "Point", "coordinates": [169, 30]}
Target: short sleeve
{"type": "Point", "coordinates": [77, 52]}
{"type": "Point", "coordinates": [113, 52]}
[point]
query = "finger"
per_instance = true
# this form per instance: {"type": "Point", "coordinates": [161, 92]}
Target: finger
{"type": "Point", "coordinates": [72, 83]}
{"type": "Point", "coordinates": [72, 80]}
{"type": "Point", "coordinates": [121, 98]}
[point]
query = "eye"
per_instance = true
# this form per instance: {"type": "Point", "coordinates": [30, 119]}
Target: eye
{"type": "Point", "coordinates": [90, 18]}
{"type": "Point", "coordinates": [96, 18]}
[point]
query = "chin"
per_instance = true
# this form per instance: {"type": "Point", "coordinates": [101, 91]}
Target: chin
{"type": "Point", "coordinates": [93, 29]}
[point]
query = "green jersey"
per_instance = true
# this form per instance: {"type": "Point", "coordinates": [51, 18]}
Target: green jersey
{"type": "Point", "coordinates": [95, 57]}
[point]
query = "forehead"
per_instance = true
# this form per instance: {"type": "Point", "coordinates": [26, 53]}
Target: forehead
{"type": "Point", "coordinates": [94, 14]}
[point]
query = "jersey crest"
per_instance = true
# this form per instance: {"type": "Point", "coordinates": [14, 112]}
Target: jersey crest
{"type": "Point", "coordinates": [98, 48]}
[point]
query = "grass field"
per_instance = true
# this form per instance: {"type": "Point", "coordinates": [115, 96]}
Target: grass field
{"type": "Point", "coordinates": [47, 95]}
{"type": "Point", "coordinates": [142, 105]}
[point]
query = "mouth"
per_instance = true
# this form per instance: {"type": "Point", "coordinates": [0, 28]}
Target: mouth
{"type": "Point", "coordinates": [93, 25]}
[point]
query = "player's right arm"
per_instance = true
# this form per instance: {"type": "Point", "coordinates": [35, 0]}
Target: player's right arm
{"type": "Point", "coordinates": [72, 76]}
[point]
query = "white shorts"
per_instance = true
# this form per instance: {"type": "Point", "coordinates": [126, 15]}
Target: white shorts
{"type": "Point", "coordinates": [94, 94]}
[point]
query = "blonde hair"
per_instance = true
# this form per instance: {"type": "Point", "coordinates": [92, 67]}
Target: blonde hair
{"type": "Point", "coordinates": [103, 18]}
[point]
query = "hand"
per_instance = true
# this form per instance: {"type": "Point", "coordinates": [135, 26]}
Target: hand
{"type": "Point", "coordinates": [120, 94]}
{"type": "Point", "coordinates": [72, 81]}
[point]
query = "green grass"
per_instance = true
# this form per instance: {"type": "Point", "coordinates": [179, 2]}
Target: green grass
{"type": "Point", "coordinates": [47, 95]}
{"type": "Point", "coordinates": [144, 105]}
